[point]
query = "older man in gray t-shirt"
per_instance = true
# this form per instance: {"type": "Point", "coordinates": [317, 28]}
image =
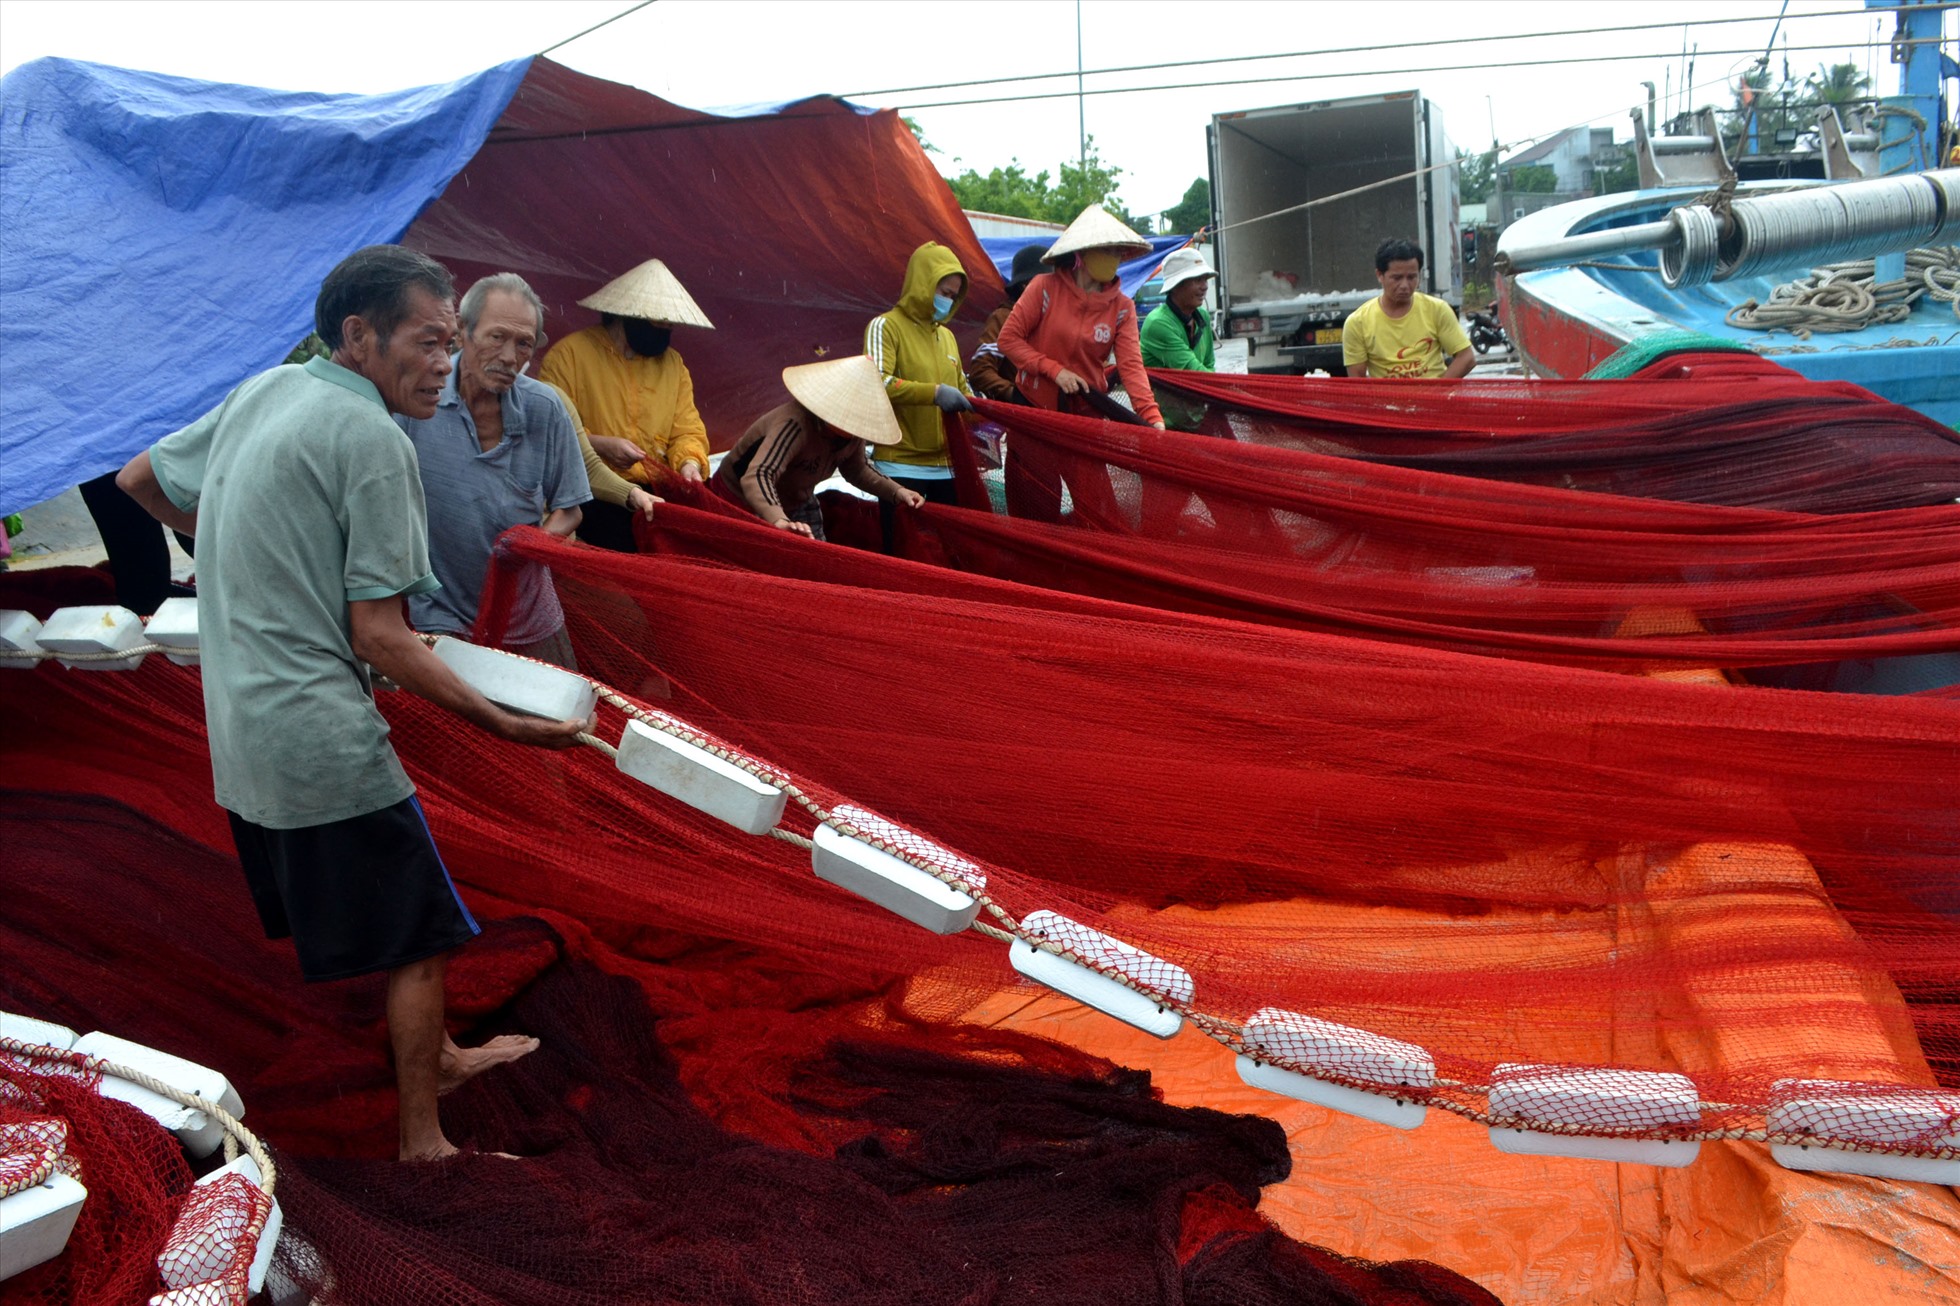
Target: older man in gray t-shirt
{"type": "Point", "coordinates": [499, 451]}
{"type": "Point", "coordinates": [307, 508]}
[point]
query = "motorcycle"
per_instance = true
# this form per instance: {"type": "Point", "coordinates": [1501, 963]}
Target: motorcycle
{"type": "Point", "coordinates": [1486, 332]}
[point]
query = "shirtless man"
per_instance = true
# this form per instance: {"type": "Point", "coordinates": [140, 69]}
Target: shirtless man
{"type": "Point", "coordinates": [307, 508]}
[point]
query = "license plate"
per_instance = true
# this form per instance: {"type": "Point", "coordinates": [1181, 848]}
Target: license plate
{"type": "Point", "coordinates": [1327, 336]}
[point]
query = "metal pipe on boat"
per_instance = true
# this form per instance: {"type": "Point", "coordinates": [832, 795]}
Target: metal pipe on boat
{"type": "Point", "coordinates": [1761, 233]}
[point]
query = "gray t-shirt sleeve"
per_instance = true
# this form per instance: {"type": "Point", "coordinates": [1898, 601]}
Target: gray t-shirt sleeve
{"type": "Point", "coordinates": [565, 483]}
{"type": "Point", "coordinates": [386, 523]}
{"type": "Point", "coordinates": [179, 460]}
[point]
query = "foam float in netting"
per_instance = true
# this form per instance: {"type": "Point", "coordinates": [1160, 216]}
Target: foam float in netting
{"type": "Point", "coordinates": [199, 1131]}
{"type": "Point", "coordinates": [41, 1203]}
{"type": "Point", "coordinates": [853, 863]}
{"type": "Point", "coordinates": [1539, 1110]}
{"type": "Point", "coordinates": [1152, 1006]}
{"type": "Point", "coordinates": [691, 774]}
{"type": "Point", "coordinates": [19, 643]}
{"type": "Point", "coordinates": [1830, 1117]}
{"type": "Point", "coordinates": [173, 628]}
{"type": "Point", "coordinates": [213, 1233]}
{"type": "Point", "coordinates": [1294, 1055]}
{"type": "Point", "coordinates": [97, 634]}
{"type": "Point", "coordinates": [517, 683]}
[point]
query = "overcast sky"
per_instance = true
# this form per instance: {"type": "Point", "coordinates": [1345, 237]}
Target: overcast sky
{"type": "Point", "coordinates": [723, 52]}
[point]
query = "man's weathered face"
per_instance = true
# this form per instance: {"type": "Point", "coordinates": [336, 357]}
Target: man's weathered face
{"type": "Point", "coordinates": [410, 366]}
{"type": "Point", "coordinates": [1185, 296]}
{"type": "Point", "coordinates": [1399, 282]}
{"type": "Point", "coordinates": [500, 348]}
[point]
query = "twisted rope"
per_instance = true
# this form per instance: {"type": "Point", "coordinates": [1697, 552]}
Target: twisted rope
{"type": "Point", "coordinates": [1848, 296]}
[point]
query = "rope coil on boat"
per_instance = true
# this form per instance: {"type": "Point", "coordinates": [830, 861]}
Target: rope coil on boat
{"type": "Point", "coordinates": [1848, 297]}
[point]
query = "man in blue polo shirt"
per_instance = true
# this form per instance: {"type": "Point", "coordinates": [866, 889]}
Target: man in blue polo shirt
{"type": "Point", "coordinates": [308, 514]}
{"type": "Point", "coordinates": [499, 451]}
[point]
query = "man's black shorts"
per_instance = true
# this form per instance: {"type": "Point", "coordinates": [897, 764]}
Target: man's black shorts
{"type": "Point", "coordinates": [365, 894]}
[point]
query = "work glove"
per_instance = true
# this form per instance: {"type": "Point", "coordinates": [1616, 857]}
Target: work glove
{"type": "Point", "coordinates": [948, 399]}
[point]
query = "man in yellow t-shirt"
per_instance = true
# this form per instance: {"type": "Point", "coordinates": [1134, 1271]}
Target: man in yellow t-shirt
{"type": "Point", "coordinates": [1401, 333]}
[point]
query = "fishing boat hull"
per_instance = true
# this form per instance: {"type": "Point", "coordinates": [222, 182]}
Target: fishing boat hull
{"type": "Point", "coordinates": [1565, 321]}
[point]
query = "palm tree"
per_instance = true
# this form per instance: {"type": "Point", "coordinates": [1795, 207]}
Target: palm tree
{"type": "Point", "coordinates": [1840, 85]}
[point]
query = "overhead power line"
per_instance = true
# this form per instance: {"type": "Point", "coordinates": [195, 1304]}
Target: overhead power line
{"type": "Point", "coordinates": [1329, 76]}
{"type": "Point", "coordinates": [596, 26]}
{"type": "Point", "coordinates": [1357, 49]}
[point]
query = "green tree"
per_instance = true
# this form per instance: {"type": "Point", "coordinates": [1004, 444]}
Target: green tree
{"type": "Point", "coordinates": [1839, 85]}
{"type": "Point", "coordinates": [1013, 192]}
{"type": "Point", "coordinates": [1476, 174]}
{"type": "Point", "coordinates": [918, 134]}
{"type": "Point", "coordinates": [1621, 175]}
{"type": "Point", "coordinates": [1193, 211]}
{"type": "Point", "coordinates": [1532, 179]}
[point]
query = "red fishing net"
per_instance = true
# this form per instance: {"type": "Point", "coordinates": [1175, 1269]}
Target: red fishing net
{"type": "Point", "coordinates": [880, 1161]}
{"type": "Point", "coordinates": [1755, 435]}
{"type": "Point", "coordinates": [134, 1172]}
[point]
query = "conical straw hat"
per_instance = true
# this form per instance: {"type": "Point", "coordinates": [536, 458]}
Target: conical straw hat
{"type": "Point", "coordinates": [649, 291]}
{"type": "Point", "coordinates": [1094, 228]}
{"type": "Point", "coordinates": [847, 393]}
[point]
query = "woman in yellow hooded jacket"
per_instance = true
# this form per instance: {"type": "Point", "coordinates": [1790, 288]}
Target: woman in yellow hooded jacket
{"type": "Point", "coordinates": [923, 374]}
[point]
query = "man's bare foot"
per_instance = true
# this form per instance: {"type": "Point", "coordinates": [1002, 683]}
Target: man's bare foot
{"type": "Point", "coordinates": [443, 1149]}
{"type": "Point", "coordinates": [459, 1064]}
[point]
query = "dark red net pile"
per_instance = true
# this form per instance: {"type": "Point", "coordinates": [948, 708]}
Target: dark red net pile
{"type": "Point", "coordinates": [1755, 434]}
{"type": "Point", "coordinates": [923, 1163]}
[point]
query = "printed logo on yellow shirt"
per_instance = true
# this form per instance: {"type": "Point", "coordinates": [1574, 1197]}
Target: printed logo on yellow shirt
{"type": "Point", "coordinates": [1412, 359]}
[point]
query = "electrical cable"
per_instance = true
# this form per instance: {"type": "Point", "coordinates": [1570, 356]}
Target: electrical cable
{"type": "Point", "coordinates": [595, 27]}
{"type": "Point", "coordinates": [1326, 76]}
{"type": "Point", "coordinates": [1352, 49]}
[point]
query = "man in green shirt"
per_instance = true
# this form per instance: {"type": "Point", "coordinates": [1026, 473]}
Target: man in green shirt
{"type": "Point", "coordinates": [307, 506]}
{"type": "Point", "coordinates": [1178, 331]}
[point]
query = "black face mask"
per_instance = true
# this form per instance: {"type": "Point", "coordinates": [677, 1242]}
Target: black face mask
{"type": "Point", "coordinates": [644, 338]}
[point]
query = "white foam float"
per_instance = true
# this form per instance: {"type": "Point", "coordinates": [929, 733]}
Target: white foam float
{"type": "Point", "coordinates": [893, 883]}
{"type": "Point", "coordinates": [173, 627]}
{"type": "Point", "coordinates": [1094, 989]}
{"type": "Point", "coordinates": [107, 629]}
{"type": "Point", "coordinates": [519, 684]}
{"type": "Point", "coordinates": [1835, 1112]}
{"type": "Point", "coordinates": [1586, 1097]}
{"type": "Point", "coordinates": [35, 1223]}
{"type": "Point", "coordinates": [19, 642]}
{"type": "Point", "coordinates": [188, 1251]}
{"type": "Point", "coordinates": [196, 1130]}
{"type": "Point", "coordinates": [1281, 1039]}
{"type": "Point", "coordinates": [41, 1033]}
{"type": "Point", "coordinates": [694, 776]}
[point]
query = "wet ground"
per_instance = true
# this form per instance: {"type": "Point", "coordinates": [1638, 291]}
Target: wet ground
{"type": "Point", "coordinates": [60, 533]}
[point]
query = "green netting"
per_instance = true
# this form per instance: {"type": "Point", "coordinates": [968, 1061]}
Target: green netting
{"type": "Point", "coordinates": [1636, 354]}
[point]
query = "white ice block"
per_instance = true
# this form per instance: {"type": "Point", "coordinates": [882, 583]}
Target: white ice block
{"type": "Point", "coordinates": [35, 1223]}
{"type": "Point", "coordinates": [244, 1166]}
{"type": "Point", "coordinates": [173, 626]}
{"type": "Point", "coordinates": [25, 1029]}
{"type": "Point", "coordinates": [1830, 1111]}
{"type": "Point", "coordinates": [891, 882]}
{"type": "Point", "coordinates": [1581, 1097]}
{"type": "Point", "coordinates": [19, 632]}
{"type": "Point", "coordinates": [1094, 989]}
{"type": "Point", "coordinates": [1284, 1039]}
{"type": "Point", "coordinates": [698, 778]}
{"type": "Point", "coordinates": [94, 630]}
{"type": "Point", "coordinates": [196, 1130]}
{"type": "Point", "coordinates": [518, 683]}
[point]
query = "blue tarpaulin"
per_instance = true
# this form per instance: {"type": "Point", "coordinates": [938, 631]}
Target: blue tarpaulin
{"type": "Point", "coordinates": [165, 237]}
{"type": "Point", "coordinates": [1001, 249]}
